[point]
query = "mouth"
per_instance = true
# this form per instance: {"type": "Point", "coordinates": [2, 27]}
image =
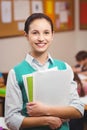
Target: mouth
{"type": "Point", "coordinates": [40, 44]}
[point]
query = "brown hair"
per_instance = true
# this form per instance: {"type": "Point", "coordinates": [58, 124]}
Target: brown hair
{"type": "Point", "coordinates": [80, 85]}
{"type": "Point", "coordinates": [35, 16]}
{"type": "Point", "coordinates": [81, 55]}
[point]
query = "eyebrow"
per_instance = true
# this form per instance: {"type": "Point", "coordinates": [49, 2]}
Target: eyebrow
{"type": "Point", "coordinates": [38, 30]}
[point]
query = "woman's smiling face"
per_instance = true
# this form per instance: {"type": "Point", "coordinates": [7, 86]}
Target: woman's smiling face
{"type": "Point", "coordinates": [40, 35]}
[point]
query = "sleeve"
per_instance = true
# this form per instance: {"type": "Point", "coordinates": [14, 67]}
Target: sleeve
{"type": "Point", "coordinates": [74, 97]}
{"type": "Point", "coordinates": [13, 103]}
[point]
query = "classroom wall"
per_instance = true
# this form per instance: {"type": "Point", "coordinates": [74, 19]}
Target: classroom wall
{"type": "Point", "coordinates": [64, 47]}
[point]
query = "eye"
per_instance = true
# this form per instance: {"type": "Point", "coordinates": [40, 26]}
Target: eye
{"type": "Point", "coordinates": [34, 32]}
{"type": "Point", "coordinates": [47, 32]}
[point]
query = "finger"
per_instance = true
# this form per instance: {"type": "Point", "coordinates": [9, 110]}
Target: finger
{"type": "Point", "coordinates": [29, 112]}
{"type": "Point", "coordinates": [31, 103]}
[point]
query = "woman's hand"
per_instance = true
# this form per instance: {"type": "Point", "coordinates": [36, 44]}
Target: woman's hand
{"type": "Point", "coordinates": [54, 122]}
{"type": "Point", "coordinates": [36, 109]}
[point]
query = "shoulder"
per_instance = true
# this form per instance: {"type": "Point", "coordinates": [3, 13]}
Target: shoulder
{"type": "Point", "coordinates": [61, 64]}
{"type": "Point", "coordinates": [58, 61]}
{"type": "Point", "coordinates": [20, 64]}
{"type": "Point", "coordinates": [16, 69]}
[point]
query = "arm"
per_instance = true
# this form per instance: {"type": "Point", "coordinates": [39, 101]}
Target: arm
{"type": "Point", "coordinates": [13, 103]}
{"type": "Point", "coordinates": [39, 109]}
{"type": "Point", "coordinates": [52, 122]}
{"type": "Point", "coordinates": [78, 70]}
{"type": "Point", "coordinates": [84, 73]}
{"type": "Point", "coordinates": [13, 106]}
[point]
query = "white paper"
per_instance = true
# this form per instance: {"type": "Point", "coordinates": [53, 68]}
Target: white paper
{"type": "Point", "coordinates": [57, 7]}
{"type": "Point", "coordinates": [31, 75]}
{"type": "Point", "coordinates": [64, 16]}
{"type": "Point", "coordinates": [20, 26]}
{"type": "Point", "coordinates": [21, 9]}
{"type": "Point", "coordinates": [37, 6]}
{"type": "Point", "coordinates": [53, 87]}
{"type": "Point", "coordinates": [63, 5]}
{"type": "Point", "coordinates": [6, 12]}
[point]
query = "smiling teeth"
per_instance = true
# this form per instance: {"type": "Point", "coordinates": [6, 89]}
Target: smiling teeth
{"type": "Point", "coordinates": [41, 45]}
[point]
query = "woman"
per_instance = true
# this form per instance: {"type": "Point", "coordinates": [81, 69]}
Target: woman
{"type": "Point", "coordinates": [39, 33]}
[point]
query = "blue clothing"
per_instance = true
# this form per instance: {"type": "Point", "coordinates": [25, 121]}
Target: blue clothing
{"type": "Point", "coordinates": [1, 74]}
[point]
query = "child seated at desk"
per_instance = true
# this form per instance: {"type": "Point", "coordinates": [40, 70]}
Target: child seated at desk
{"type": "Point", "coordinates": [81, 68]}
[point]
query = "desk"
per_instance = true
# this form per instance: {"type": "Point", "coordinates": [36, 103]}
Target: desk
{"type": "Point", "coordinates": [2, 100]}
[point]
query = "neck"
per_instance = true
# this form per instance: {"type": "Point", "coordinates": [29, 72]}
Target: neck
{"type": "Point", "coordinates": [42, 58]}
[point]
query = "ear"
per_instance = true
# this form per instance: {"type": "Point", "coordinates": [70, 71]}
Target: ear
{"type": "Point", "coordinates": [25, 34]}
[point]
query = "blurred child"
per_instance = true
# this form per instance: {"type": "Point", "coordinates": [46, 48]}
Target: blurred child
{"type": "Point", "coordinates": [80, 69]}
{"type": "Point", "coordinates": [81, 66]}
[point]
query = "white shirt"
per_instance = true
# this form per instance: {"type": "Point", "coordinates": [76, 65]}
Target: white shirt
{"type": "Point", "coordinates": [13, 100]}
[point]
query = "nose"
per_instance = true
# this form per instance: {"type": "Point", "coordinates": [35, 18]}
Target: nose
{"type": "Point", "coordinates": [41, 37]}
